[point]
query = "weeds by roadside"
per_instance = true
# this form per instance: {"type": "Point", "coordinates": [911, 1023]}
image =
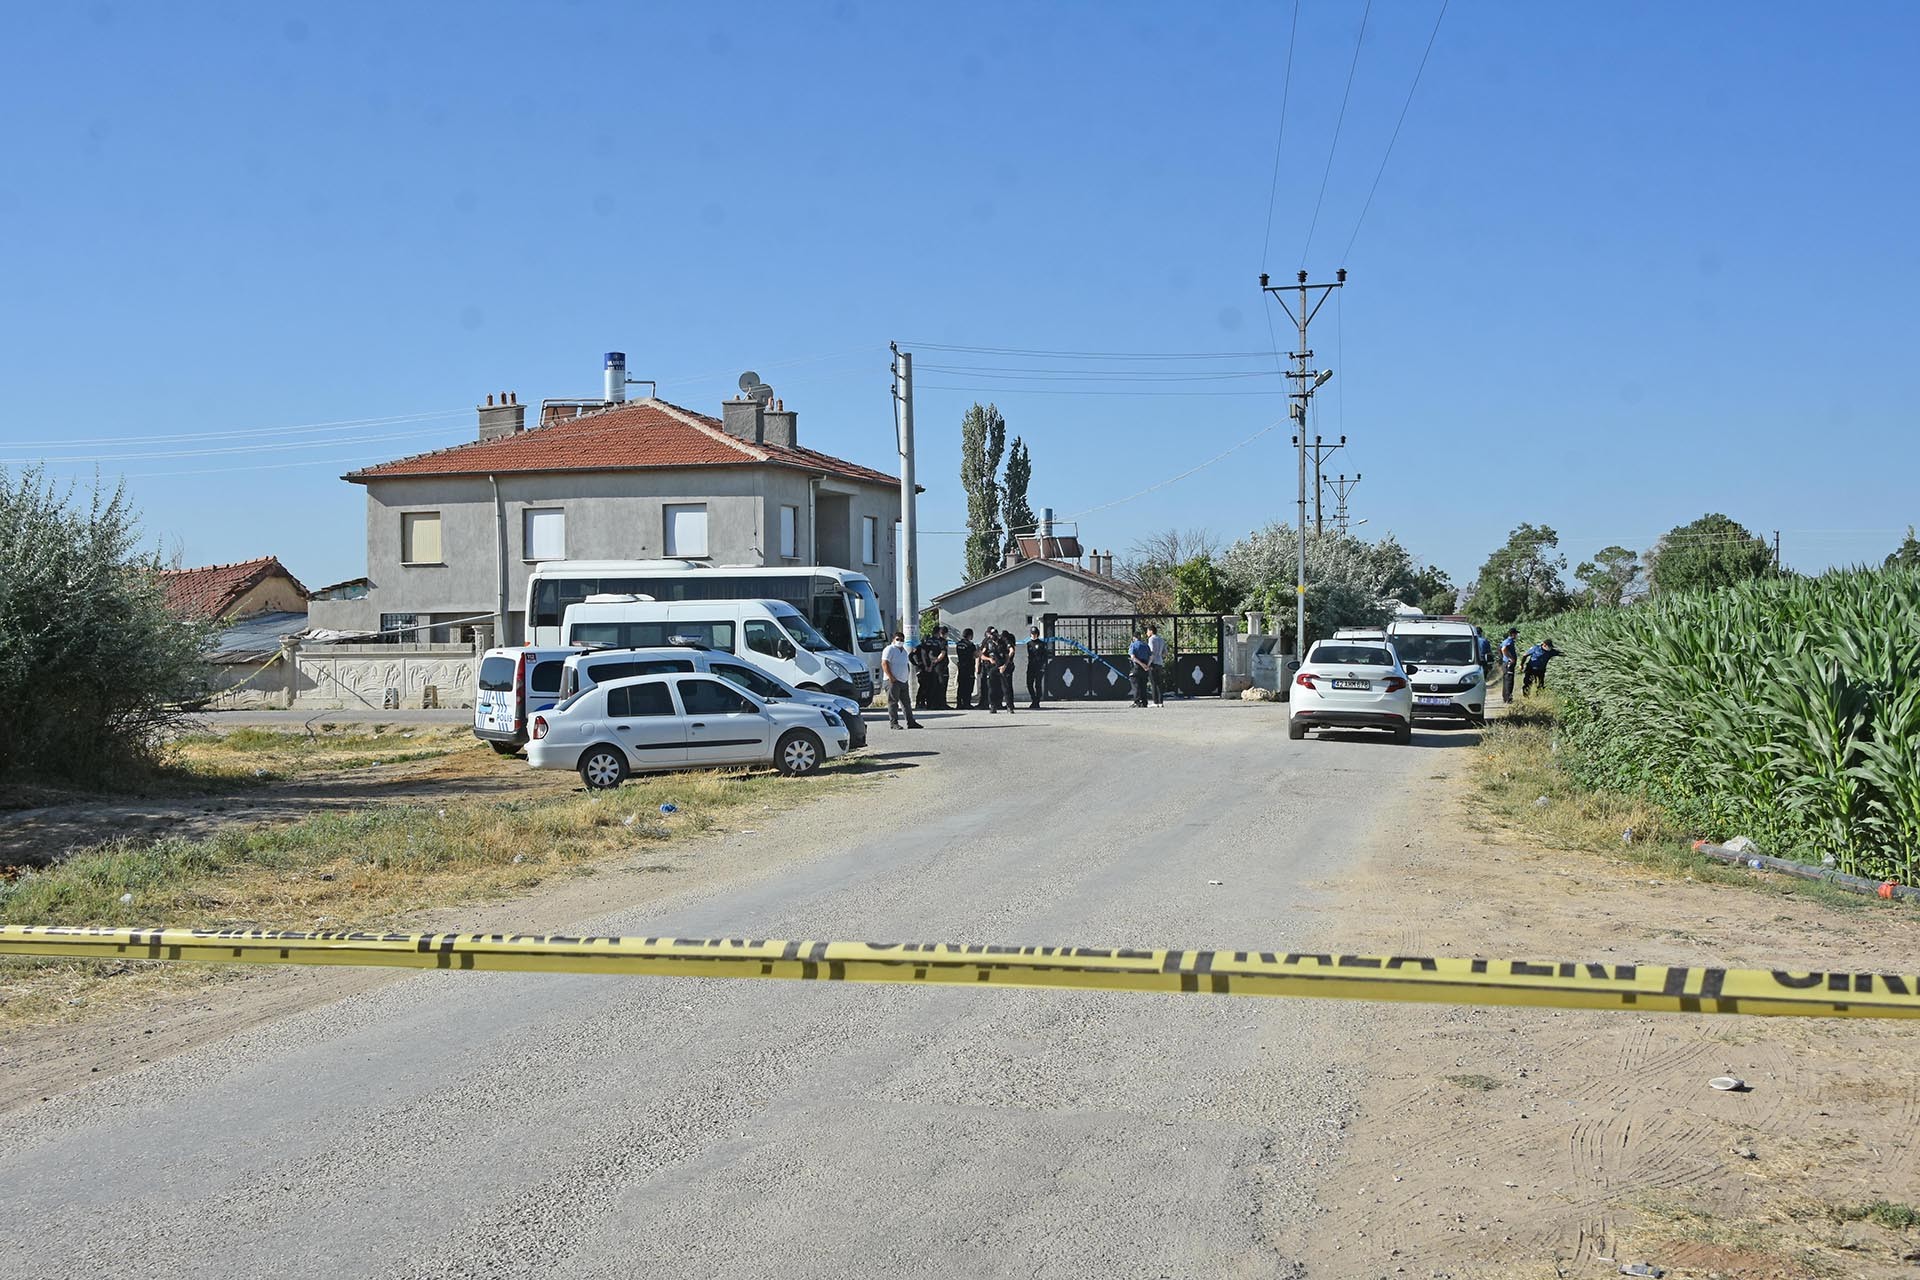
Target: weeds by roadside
{"type": "Point", "coordinates": [277, 754]}
{"type": "Point", "coordinates": [366, 868]}
{"type": "Point", "coordinates": [1520, 782]}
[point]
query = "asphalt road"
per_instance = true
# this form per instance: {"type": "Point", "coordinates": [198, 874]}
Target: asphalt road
{"type": "Point", "coordinates": [495, 1125]}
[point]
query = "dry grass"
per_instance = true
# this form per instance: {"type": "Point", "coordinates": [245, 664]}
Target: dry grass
{"type": "Point", "coordinates": [271, 754]}
{"type": "Point", "coordinates": [1516, 769]}
{"type": "Point", "coordinates": [367, 868]}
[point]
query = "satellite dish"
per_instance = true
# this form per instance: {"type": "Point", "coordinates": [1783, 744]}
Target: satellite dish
{"type": "Point", "coordinates": [748, 381]}
{"type": "Point", "coordinates": [762, 393]}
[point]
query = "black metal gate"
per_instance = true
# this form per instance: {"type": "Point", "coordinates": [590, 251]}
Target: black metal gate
{"type": "Point", "coordinates": [1089, 658]}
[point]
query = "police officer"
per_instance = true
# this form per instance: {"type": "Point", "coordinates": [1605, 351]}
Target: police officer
{"type": "Point", "coordinates": [966, 659]}
{"type": "Point", "coordinates": [990, 688]}
{"type": "Point", "coordinates": [1509, 663]}
{"type": "Point", "coordinates": [940, 669]}
{"type": "Point", "coordinates": [1036, 667]}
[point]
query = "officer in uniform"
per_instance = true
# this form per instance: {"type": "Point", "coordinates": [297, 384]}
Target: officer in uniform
{"type": "Point", "coordinates": [966, 657]}
{"type": "Point", "coordinates": [940, 669]}
{"type": "Point", "coordinates": [1036, 667]}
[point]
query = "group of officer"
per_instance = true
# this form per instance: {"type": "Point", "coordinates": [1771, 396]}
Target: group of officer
{"type": "Point", "coordinates": [989, 663]}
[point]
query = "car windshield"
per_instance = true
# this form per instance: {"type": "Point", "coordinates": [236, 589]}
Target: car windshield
{"type": "Point", "coordinates": [750, 680]}
{"type": "Point", "coordinates": [1437, 650]}
{"type": "Point", "coordinates": [869, 629]}
{"type": "Point", "coordinates": [1350, 655]}
{"type": "Point", "coordinates": [802, 632]}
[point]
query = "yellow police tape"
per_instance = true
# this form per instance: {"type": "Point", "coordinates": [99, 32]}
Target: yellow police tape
{"type": "Point", "coordinates": [1647, 988]}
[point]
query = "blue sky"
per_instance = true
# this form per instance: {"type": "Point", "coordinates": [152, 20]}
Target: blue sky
{"type": "Point", "coordinates": [1629, 262]}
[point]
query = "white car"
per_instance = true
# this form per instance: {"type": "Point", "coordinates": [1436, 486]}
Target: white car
{"type": "Point", "coordinates": [1451, 683]}
{"type": "Point", "coordinates": [597, 666]}
{"type": "Point", "coordinates": [1351, 684]}
{"type": "Point", "coordinates": [653, 723]}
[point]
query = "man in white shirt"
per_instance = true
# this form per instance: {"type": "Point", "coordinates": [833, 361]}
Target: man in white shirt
{"type": "Point", "coordinates": [1157, 664]}
{"type": "Point", "coordinates": [897, 662]}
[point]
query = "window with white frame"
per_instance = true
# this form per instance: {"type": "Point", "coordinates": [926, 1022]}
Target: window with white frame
{"type": "Point", "coordinates": [543, 534]}
{"type": "Point", "coordinates": [790, 532]}
{"type": "Point", "coordinates": [1037, 594]}
{"type": "Point", "coordinates": [420, 537]}
{"type": "Point", "coordinates": [686, 530]}
{"type": "Point", "coordinates": [869, 539]}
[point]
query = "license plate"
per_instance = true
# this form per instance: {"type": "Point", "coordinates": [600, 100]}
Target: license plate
{"type": "Point", "coordinates": [1434, 702]}
{"type": "Point", "coordinates": [1353, 684]}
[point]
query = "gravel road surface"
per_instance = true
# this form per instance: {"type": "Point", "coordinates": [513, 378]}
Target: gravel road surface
{"type": "Point", "coordinates": [500, 1124]}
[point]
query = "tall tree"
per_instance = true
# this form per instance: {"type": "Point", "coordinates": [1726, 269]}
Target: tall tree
{"type": "Point", "coordinates": [1712, 552]}
{"type": "Point", "coordinates": [1152, 562]}
{"type": "Point", "coordinates": [1019, 513]}
{"type": "Point", "coordinates": [1907, 554]}
{"type": "Point", "coordinates": [983, 437]}
{"type": "Point", "coordinates": [1521, 579]}
{"type": "Point", "coordinates": [1610, 576]}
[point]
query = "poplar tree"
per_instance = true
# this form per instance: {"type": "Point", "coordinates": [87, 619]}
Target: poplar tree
{"type": "Point", "coordinates": [983, 438]}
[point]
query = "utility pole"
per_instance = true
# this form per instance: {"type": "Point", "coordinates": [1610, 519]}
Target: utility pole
{"type": "Point", "coordinates": [1342, 486]}
{"type": "Point", "coordinates": [1321, 452]}
{"type": "Point", "coordinates": [909, 584]}
{"type": "Point", "coordinates": [1306, 382]}
{"type": "Point", "coordinates": [1776, 553]}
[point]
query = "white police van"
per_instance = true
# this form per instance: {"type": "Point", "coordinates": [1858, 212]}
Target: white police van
{"type": "Point", "coordinates": [512, 685]}
{"type": "Point", "coordinates": [1451, 683]}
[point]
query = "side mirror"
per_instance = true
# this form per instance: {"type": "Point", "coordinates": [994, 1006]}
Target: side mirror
{"type": "Point", "coordinates": [785, 650]}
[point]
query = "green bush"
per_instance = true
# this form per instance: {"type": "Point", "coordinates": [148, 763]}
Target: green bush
{"type": "Point", "coordinates": [93, 669]}
{"type": "Point", "coordinates": [1783, 709]}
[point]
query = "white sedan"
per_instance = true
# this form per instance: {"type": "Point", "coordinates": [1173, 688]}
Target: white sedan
{"type": "Point", "coordinates": [674, 722]}
{"type": "Point", "coordinates": [1351, 684]}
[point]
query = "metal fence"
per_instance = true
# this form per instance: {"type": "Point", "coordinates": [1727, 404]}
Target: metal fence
{"type": "Point", "coordinates": [1089, 658]}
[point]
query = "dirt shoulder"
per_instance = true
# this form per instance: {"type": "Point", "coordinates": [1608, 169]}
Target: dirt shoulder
{"type": "Point", "coordinates": [1523, 1143]}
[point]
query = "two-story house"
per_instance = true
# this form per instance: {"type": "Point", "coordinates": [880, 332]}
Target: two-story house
{"type": "Point", "coordinates": [452, 535]}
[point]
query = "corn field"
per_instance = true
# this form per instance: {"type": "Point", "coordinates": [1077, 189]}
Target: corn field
{"type": "Point", "coordinates": [1786, 710]}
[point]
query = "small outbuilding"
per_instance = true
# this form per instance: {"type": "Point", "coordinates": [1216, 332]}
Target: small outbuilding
{"type": "Point", "coordinates": [1029, 590]}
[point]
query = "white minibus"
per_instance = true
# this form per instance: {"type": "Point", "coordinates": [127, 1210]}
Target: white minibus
{"type": "Point", "coordinates": [839, 603]}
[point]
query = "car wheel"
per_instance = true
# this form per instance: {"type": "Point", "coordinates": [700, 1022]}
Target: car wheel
{"type": "Point", "coordinates": [798, 753]}
{"type": "Point", "coordinates": [1403, 735]}
{"type": "Point", "coordinates": [603, 767]}
{"type": "Point", "coordinates": [503, 748]}
{"type": "Point", "coordinates": [1296, 730]}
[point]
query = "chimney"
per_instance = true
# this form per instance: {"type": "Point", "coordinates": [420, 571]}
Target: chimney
{"type": "Point", "coordinates": [744, 419]}
{"type": "Point", "coordinates": [779, 425]}
{"type": "Point", "coordinates": [614, 364]}
{"type": "Point", "coordinates": [502, 418]}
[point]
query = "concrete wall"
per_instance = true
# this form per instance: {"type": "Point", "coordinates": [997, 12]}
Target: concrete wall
{"type": "Point", "coordinates": [614, 515]}
{"type": "Point", "coordinates": [1003, 600]}
{"type": "Point", "coordinates": [347, 678]}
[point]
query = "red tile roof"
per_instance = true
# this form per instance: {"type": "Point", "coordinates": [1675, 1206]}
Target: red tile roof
{"type": "Point", "coordinates": [211, 591]}
{"type": "Point", "coordinates": [636, 436]}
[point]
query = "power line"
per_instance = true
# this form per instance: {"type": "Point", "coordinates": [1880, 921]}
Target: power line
{"type": "Point", "coordinates": [1031, 352]}
{"type": "Point", "coordinates": [1286, 88]}
{"type": "Point", "coordinates": [1182, 476]}
{"type": "Point", "coordinates": [344, 424]}
{"type": "Point", "coordinates": [1396, 132]}
{"type": "Point", "coordinates": [1338, 121]}
{"type": "Point", "coordinates": [1099, 375]}
{"type": "Point", "coordinates": [1042, 391]}
{"type": "Point", "coordinates": [210, 453]}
